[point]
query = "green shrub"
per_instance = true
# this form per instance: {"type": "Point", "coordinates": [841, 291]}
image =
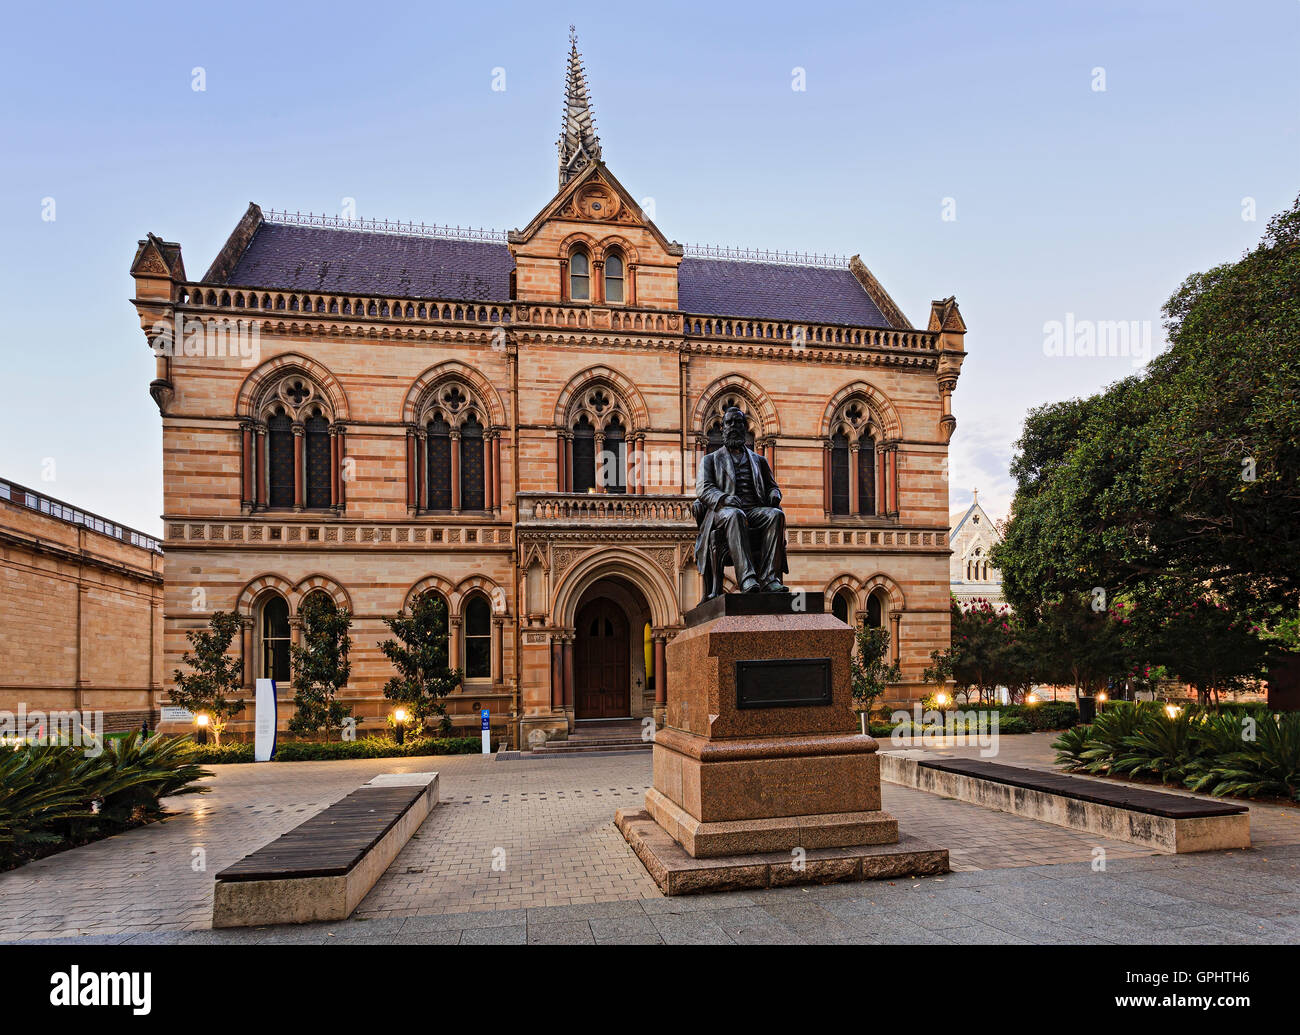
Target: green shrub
{"type": "Point", "coordinates": [56, 795]}
{"type": "Point", "coordinates": [1268, 765]}
{"type": "Point", "coordinates": [1013, 724]}
{"type": "Point", "coordinates": [336, 750]}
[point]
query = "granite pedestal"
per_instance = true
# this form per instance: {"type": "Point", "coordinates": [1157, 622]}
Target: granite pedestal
{"type": "Point", "coordinates": [758, 755]}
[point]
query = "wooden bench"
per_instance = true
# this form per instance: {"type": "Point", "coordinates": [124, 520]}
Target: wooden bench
{"type": "Point", "coordinates": [323, 868]}
{"type": "Point", "coordinates": [1118, 811]}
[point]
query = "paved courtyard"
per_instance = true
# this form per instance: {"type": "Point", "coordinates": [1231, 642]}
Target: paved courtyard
{"type": "Point", "coordinates": [526, 850]}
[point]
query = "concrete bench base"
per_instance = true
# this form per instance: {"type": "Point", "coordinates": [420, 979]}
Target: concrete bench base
{"type": "Point", "coordinates": [1220, 826]}
{"type": "Point", "coordinates": [325, 892]}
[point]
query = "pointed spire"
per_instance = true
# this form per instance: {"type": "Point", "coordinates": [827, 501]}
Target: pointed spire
{"type": "Point", "coordinates": [578, 144]}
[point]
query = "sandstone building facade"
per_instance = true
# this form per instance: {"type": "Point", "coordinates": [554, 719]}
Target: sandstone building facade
{"type": "Point", "coordinates": [513, 421]}
{"type": "Point", "coordinates": [81, 612]}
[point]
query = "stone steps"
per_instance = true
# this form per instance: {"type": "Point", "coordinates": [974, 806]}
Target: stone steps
{"type": "Point", "coordinates": [621, 735]}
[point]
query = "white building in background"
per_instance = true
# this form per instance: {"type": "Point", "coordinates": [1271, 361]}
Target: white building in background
{"type": "Point", "coordinates": [971, 539]}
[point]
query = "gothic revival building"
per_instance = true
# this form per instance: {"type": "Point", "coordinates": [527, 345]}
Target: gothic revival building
{"type": "Point", "coordinates": [972, 539]}
{"type": "Point", "coordinates": [513, 421]}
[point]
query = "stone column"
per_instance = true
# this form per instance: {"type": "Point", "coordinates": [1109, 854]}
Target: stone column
{"type": "Point", "coordinates": [826, 478]}
{"type": "Point", "coordinates": [853, 477]}
{"type": "Point", "coordinates": [336, 464]}
{"type": "Point", "coordinates": [454, 642]}
{"type": "Point", "coordinates": [412, 448]}
{"type": "Point", "coordinates": [661, 678]}
{"type": "Point", "coordinates": [496, 472]}
{"type": "Point", "coordinates": [261, 475]}
{"type": "Point", "coordinates": [343, 460]}
{"type": "Point", "coordinates": [455, 471]}
{"type": "Point", "coordinates": [557, 674]}
{"type": "Point", "coordinates": [422, 478]}
{"type": "Point", "coordinates": [246, 442]}
{"type": "Point", "coordinates": [895, 652]}
{"type": "Point", "coordinates": [561, 475]}
{"type": "Point", "coordinates": [498, 651]}
{"type": "Point", "coordinates": [600, 452]}
{"type": "Point", "coordinates": [568, 670]}
{"type": "Point", "coordinates": [299, 474]}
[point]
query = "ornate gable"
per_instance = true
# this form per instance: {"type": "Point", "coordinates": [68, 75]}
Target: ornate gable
{"type": "Point", "coordinates": [597, 215]}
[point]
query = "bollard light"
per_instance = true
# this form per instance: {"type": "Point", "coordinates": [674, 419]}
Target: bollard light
{"type": "Point", "coordinates": [1031, 698]}
{"type": "Point", "coordinates": [941, 699]}
{"type": "Point", "coordinates": [399, 725]}
{"type": "Point", "coordinates": [201, 721]}
{"type": "Point", "coordinates": [1173, 711]}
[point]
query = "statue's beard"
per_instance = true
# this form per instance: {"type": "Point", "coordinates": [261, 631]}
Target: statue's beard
{"type": "Point", "coordinates": [733, 439]}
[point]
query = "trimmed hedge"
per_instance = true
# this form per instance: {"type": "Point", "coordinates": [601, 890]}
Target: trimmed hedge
{"type": "Point", "coordinates": [329, 751]}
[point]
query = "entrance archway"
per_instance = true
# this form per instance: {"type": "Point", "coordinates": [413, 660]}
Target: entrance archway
{"type": "Point", "coordinates": [610, 676]}
{"type": "Point", "coordinates": [602, 661]}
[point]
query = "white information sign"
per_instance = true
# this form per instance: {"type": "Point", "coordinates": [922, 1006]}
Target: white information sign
{"type": "Point", "coordinates": [264, 725]}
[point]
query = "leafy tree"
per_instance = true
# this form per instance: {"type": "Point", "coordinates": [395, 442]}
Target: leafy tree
{"type": "Point", "coordinates": [870, 672]}
{"type": "Point", "coordinates": [1205, 644]}
{"type": "Point", "coordinates": [419, 654]}
{"type": "Point", "coordinates": [988, 651]}
{"type": "Point", "coordinates": [214, 675]}
{"type": "Point", "coordinates": [321, 667]}
{"type": "Point", "coordinates": [1184, 479]}
{"type": "Point", "coordinates": [1074, 645]}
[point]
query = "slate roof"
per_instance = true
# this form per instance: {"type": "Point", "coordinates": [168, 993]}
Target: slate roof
{"type": "Point", "coordinates": [308, 258]}
{"type": "Point", "coordinates": [771, 291]}
{"type": "Point", "coordinates": [304, 258]}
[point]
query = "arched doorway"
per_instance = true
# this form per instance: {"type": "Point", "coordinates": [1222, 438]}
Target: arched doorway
{"type": "Point", "coordinates": [602, 661]}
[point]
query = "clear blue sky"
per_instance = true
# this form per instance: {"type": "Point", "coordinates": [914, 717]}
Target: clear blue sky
{"type": "Point", "coordinates": [1068, 199]}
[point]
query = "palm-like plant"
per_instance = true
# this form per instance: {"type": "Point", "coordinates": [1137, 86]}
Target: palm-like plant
{"type": "Point", "coordinates": [1163, 745]}
{"type": "Point", "coordinates": [1272, 766]}
{"type": "Point", "coordinates": [1070, 746]}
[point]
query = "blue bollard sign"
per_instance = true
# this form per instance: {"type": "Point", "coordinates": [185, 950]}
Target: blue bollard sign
{"type": "Point", "coordinates": [487, 732]}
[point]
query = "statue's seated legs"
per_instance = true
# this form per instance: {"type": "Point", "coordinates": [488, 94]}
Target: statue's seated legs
{"type": "Point", "coordinates": [753, 539]}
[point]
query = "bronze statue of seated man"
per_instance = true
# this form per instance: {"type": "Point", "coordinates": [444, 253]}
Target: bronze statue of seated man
{"type": "Point", "coordinates": [738, 509]}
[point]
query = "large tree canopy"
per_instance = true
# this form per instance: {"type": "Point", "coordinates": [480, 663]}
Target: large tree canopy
{"type": "Point", "coordinates": [1185, 477]}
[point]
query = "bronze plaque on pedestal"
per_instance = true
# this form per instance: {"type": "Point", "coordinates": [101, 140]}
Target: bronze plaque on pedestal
{"type": "Point", "coordinates": [783, 683]}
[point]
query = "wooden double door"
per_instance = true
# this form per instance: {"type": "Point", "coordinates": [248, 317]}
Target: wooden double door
{"type": "Point", "coordinates": [601, 664]}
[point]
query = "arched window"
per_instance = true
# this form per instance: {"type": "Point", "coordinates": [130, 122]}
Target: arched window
{"type": "Point", "coordinates": [841, 605]}
{"type": "Point", "coordinates": [471, 465]}
{"type": "Point", "coordinates": [839, 473]}
{"type": "Point", "coordinates": [455, 473]}
{"type": "Point", "coordinates": [613, 277]}
{"type": "Point", "coordinates": [280, 460]}
{"type": "Point", "coordinates": [866, 475]}
{"type": "Point", "coordinates": [478, 639]}
{"type": "Point", "coordinates": [875, 610]}
{"type": "Point", "coordinates": [850, 471]}
{"type": "Point", "coordinates": [319, 465]}
{"type": "Point", "coordinates": [584, 455]}
{"type": "Point", "coordinates": [280, 471]}
{"type": "Point", "coordinates": [612, 469]}
{"type": "Point", "coordinates": [579, 276]}
{"type": "Point", "coordinates": [438, 448]}
{"type": "Point", "coordinates": [275, 639]}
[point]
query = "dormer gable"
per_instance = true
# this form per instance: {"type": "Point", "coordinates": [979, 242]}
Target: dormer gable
{"type": "Point", "coordinates": [592, 220]}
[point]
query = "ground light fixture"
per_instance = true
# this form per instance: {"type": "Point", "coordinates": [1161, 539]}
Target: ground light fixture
{"type": "Point", "coordinates": [399, 724]}
{"type": "Point", "coordinates": [201, 721]}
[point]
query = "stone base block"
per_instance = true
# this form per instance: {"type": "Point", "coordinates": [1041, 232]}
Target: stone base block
{"type": "Point", "coordinates": [678, 873]}
{"type": "Point", "coordinates": [706, 840]}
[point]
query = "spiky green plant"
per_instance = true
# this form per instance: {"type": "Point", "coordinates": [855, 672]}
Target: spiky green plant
{"type": "Point", "coordinates": [1070, 746]}
{"type": "Point", "coordinates": [1268, 765]}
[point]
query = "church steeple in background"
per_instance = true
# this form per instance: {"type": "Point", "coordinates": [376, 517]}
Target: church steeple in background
{"type": "Point", "coordinates": [578, 145]}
